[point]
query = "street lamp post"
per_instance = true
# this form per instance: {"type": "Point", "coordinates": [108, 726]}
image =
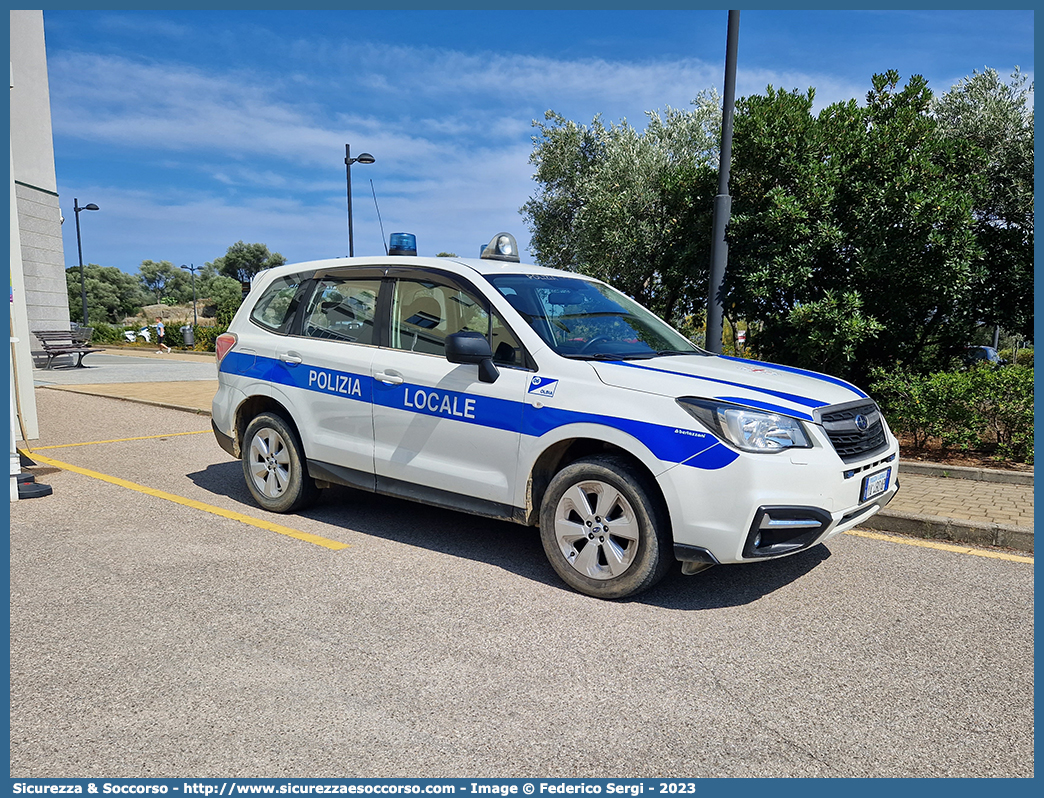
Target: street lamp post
{"type": "Point", "coordinates": [79, 251]}
{"type": "Point", "coordinates": [191, 269]}
{"type": "Point", "coordinates": [348, 161]}
{"type": "Point", "coordinates": [722, 202]}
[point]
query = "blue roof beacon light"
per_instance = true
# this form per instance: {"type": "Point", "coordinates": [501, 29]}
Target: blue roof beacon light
{"type": "Point", "coordinates": [402, 244]}
{"type": "Point", "coordinates": [502, 247]}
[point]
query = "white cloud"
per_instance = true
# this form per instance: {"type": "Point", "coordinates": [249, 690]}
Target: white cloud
{"type": "Point", "coordinates": [256, 153]}
{"type": "Point", "coordinates": [829, 89]}
{"type": "Point", "coordinates": [256, 141]}
{"type": "Point", "coordinates": [123, 102]}
{"type": "Point", "coordinates": [144, 26]}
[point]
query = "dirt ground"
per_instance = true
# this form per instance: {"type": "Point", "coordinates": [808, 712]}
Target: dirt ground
{"type": "Point", "coordinates": [937, 454]}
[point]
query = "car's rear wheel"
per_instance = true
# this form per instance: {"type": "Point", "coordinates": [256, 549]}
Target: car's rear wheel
{"type": "Point", "coordinates": [274, 467]}
{"type": "Point", "coordinates": [603, 529]}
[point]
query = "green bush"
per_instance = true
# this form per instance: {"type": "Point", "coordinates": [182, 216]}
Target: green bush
{"type": "Point", "coordinates": [908, 403]}
{"type": "Point", "coordinates": [1023, 358]}
{"type": "Point", "coordinates": [1002, 402]}
{"type": "Point", "coordinates": [983, 409]}
{"type": "Point", "coordinates": [106, 333]}
{"type": "Point", "coordinates": [206, 336]}
{"type": "Point", "coordinates": [113, 334]}
{"type": "Point", "coordinates": [175, 339]}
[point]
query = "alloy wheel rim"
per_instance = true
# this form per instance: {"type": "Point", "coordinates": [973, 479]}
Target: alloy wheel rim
{"type": "Point", "coordinates": [269, 463]}
{"type": "Point", "coordinates": [597, 530]}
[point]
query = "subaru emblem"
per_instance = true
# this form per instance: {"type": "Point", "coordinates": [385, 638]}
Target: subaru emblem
{"type": "Point", "coordinates": [861, 422]}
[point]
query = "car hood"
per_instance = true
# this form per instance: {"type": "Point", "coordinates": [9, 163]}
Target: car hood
{"type": "Point", "coordinates": [780, 389]}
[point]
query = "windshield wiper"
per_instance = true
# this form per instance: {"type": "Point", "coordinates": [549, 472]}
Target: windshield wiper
{"type": "Point", "coordinates": [669, 352]}
{"type": "Point", "coordinates": [609, 357]}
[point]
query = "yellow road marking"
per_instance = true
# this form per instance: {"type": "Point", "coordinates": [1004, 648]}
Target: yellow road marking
{"type": "Point", "coordinates": [207, 508]}
{"type": "Point", "coordinates": [117, 440]}
{"type": "Point", "coordinates": [336, 545]}
{"type": "Point", "coordinates": [934, 544]}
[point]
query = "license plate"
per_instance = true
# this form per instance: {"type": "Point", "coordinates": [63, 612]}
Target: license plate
{"type": "Point", "coordinates": [876, 484]}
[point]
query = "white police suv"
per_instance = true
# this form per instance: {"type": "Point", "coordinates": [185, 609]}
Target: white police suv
{"type": "Point", "coordinates": [541, 397]}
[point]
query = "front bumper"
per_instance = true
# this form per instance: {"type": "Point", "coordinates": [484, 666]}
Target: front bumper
{"type": "Point", "coordinates": [777, 531]}
{"type": "Point", "coordinates": [767, 506]}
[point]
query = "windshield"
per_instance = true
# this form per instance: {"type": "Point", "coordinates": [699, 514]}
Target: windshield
{"type": "Point", "coordinates": [578, 318]}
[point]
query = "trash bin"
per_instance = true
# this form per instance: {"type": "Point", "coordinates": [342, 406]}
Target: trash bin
{"type": "Point", "coordinates": [188, 336]}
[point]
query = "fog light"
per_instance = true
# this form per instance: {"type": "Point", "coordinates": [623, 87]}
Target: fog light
{"type": "Point", "coordinates": [783, 530]}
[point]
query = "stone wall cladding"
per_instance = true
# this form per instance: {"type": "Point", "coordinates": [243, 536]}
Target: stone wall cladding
{"type": "Point", "coordinates": [43, 258]}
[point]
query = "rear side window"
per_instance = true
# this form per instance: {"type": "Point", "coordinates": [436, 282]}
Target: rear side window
{"type": "Point", "coordinates": [343, 310]}
{"type": "Point", "coordinates": [277, 304]}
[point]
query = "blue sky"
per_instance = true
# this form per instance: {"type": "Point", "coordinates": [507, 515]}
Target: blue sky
{"type": "Point", "coordinates": [194, 129]}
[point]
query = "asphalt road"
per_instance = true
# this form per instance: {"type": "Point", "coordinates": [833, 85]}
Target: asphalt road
{"type": "Point", "coordinates": [127, 366]}
{"type": "Point", "coordinates": [150, 638]}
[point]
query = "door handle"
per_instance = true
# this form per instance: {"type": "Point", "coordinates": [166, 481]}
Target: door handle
{"type": "Point", "coordinates": [290, 359]}
{"type": "Point", "coordinates": [389, 377]}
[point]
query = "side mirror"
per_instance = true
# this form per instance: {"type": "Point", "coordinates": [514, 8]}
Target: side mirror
{"type": "Point", "coordinates": [472, 347]}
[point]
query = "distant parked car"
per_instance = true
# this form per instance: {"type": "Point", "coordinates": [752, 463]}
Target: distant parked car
{"type": "Point", "coordinates": [976, 355]}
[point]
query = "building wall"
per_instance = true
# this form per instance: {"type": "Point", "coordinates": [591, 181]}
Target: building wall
{"type": "Point", "coordinates": [43, 260]}
{"type": "Point", "coordinates": [36, 188]}
{"type": "Point", "coordinates": [39, 299]}
{"type": "Point", "coordinates": [23, 396]}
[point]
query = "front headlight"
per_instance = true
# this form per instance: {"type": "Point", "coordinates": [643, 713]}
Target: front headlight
{"type": "Point", "coordinates": [748, 429]}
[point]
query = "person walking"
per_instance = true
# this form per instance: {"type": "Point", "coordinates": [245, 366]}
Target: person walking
{"type": "Point", "coordinates": [161, 333]}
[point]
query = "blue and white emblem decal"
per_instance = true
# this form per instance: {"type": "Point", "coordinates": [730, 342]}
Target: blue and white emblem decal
{"type": "Point", "coordinates": [541, 386]}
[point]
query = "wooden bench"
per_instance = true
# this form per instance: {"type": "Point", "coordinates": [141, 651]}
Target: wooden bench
{"type": "Point", "coordinates": [67, 342]}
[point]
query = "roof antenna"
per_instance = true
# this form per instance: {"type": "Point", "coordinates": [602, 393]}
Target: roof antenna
{"type": "Point", "coordinates": [384, 239]}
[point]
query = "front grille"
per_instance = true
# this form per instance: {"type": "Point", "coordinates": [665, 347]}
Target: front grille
{"type": "Point", "coordinates": [853, 445]}
{"type": "Point", "coordinates": [830, 415]}
{"type": "Point", "coordinates": [849, 440]}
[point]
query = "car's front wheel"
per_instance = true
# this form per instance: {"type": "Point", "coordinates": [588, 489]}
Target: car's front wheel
{"type": "Point", "coordinates": [274, 466]}
{"type": "Point", "coordinates": [603, 530]}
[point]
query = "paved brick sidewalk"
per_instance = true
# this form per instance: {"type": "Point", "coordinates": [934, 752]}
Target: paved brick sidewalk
{"type": "Point", "coordinates": [194, 395]}
{"type": "Point", "coordinates": [965, 499]}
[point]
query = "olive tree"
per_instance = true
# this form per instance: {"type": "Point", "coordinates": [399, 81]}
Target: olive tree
{"type": "Point", "coordinates": [242, 261]}
{"type": "Point", "coordinates": [164, 280]}
{"type": "Point", "coordinates": [627, 206]}
{"type": "Point", "coordinates": [112, 294]}
{"type": "Point", "coordinates": [997, 118]}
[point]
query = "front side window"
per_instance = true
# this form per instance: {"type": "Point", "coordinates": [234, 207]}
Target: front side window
{"type": "Point", "coordinates": [343, 310]}
{"type": "Point", "coordinates": [583, 319]}
{"type": "Point", "coordinates": [507, 351]}
{"type": "Point", "coordinates": [425, 312]}
{"type": "Point", "coordinates": [278, 303]}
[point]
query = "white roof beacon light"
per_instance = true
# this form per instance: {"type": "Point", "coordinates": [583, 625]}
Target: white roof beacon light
{"type": "Point", "coordinates": [402, 244]}
{"type": "Point", "coordinates": [502, 247]}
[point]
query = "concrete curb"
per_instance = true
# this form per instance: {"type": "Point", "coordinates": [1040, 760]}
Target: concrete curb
{"type": "Point", "coordinates": [936, 527]}
{"type": "Point", "coordinates": [964, 472]}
